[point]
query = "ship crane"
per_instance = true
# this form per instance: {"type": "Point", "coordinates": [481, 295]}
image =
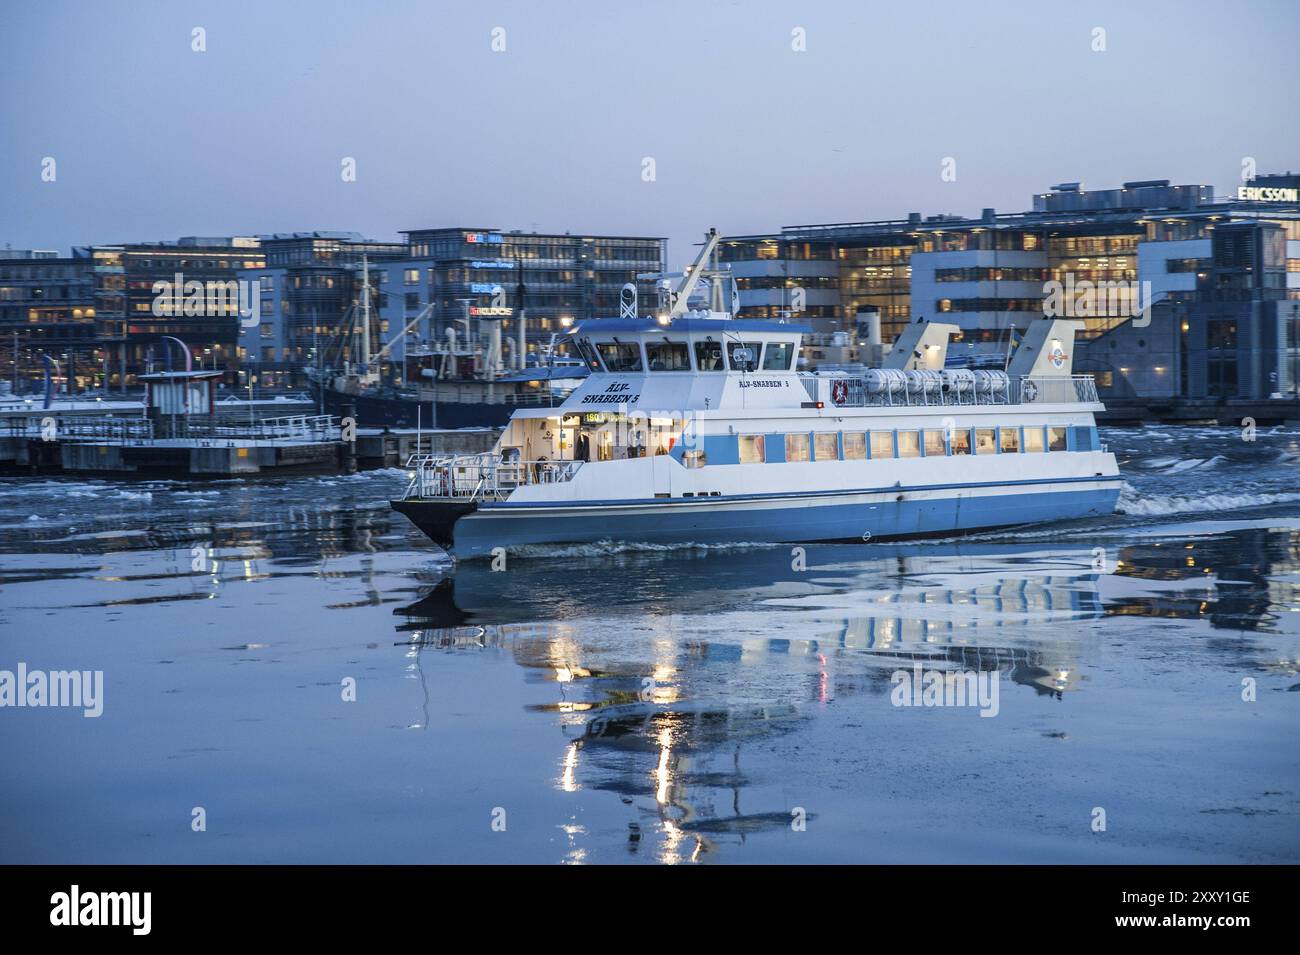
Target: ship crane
{"type": "Point", "coordinates": [679, 298]}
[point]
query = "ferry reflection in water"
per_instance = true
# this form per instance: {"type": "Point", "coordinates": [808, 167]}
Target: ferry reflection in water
{"type": "Point", "coordinates": [698, 655]}
{"type": "Point", "coordinates": [656, 706]}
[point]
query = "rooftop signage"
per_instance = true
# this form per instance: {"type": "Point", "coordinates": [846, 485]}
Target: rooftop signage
{"type": "Point", "coordinates": [1267, 194]}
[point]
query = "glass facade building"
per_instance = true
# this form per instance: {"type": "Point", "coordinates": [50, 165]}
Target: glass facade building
{"type": "Point", "coordinates": [556, 279]}
{"type": "Point", "coordinates": [1107, 257]}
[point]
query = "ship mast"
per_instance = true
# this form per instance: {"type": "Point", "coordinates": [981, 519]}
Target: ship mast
{"type": "Point", "coordinates": [365, 315]}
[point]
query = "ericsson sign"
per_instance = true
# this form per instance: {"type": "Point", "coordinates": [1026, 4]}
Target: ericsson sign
{"type": "Point", "coordinates": [1267, 194]}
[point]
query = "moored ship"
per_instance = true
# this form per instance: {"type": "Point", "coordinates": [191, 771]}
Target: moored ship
{"type": "Point", "coordinates": [463, 379]}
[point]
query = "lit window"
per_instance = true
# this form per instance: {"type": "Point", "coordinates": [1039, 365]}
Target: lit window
{"type": "Point", "coordinates": [882, 444]}
{"type": "Point", "coordinates": [909, 444]}
{"type": "Point", "coordinates": [827, 446]}
{"type": "Point", "coordinates": [1010, 440]}
{"type": "Point", "coordinates": [961, 441]}
{"type": "Point", "coordinates": [1034, 439]}
{"type": "Point", "coordinates": [985, 441]}
{"type": "Point", "coordinates": [1056, 439]}
{"type": "Point", "coordinates": [934, 446]}
{"type": "Point", "coordinates": [855, 445]}
{"type": "Point", "coordinates": [751, 449]}
{"type": "Point", "coordinates": [796, 447]}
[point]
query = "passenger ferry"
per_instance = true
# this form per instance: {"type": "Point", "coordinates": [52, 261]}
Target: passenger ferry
{"type": "Point", "coordinates": [696, 427]}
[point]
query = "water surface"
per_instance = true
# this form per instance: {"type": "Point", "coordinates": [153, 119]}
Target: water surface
{"type": "Point", "coordinates": [613, 703]}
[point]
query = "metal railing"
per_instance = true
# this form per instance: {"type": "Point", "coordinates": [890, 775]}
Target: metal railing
{"type": "Point", "coordinates": [87, 427]}
{"type": "Point", "coordinates": [140, 430]}
{"type": "Point", "coordinates": [485, 476]}
{"type": "Point", "coordinates": [1071, 390]}
{"type": "Point", "coordinates": [931, 389]}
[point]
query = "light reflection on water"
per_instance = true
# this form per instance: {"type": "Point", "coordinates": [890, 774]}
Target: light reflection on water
{"type": "Point", "coordinates": [667, 706]}
{"type": "Point", "coordinates": [644, 719]}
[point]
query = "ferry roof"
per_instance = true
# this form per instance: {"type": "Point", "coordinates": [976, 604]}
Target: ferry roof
{"type": "Point", "coordinates": [598, 326]}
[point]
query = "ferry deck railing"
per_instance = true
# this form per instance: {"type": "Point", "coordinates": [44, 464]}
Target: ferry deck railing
{"type": "Point", "coordinates": [484, 476]}
{"type": "Point", "coordinates": [855, 392]}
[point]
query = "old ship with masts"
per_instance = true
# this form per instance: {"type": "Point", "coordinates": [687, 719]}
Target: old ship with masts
{"type": "Point", "coordinates": [464, 377]}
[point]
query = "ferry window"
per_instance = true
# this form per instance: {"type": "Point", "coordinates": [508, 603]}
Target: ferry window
{"type": "Point", "coordinates": [827, 446]}
{"type": "Point", "coordinates": [934, 446]}
{"type": "Point", "coordinates": [1010, 440]}
{"type": "Point", "coordinates": [708, 356]}
{"type": "Point", "coordinates": [620, 356]}
{"type": "Point", "coordinates": [985, 441]}
{"type": "Point", "coordinates": [909, 444]}
{"type": "Point", "coordinates": [667, 356]}
{"type": "Point", "coordinates": [796, 447]}
{"type": "Point", "coordinates": [743, 356]}
{"type": "Point", "coordinates": [1034, 439]}
{"type": "Point", "coordinates": [751, 449]}
{"type": "Point", "coordinates": [960, 441]}
{"type": "Point", "coordinates": [882, 444]}
{"type": "Point", "coordinates": [855, 446]}
{"type": "Point", "coordinates": [588, 354]}
{"type": "Point", "coordinates": [778, 355]}
{"type": "Point", "coordinates": [1056, 439]}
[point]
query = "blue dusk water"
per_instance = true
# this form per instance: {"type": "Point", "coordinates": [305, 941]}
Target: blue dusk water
{"type": "Point", "coordinates": [616, 704]}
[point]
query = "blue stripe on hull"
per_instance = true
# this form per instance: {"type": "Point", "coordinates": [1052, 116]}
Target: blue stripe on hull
{"type": "Point", "coordinates": [478, 534]}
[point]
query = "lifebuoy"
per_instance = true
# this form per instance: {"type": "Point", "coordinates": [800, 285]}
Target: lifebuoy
{"type": "Point", "coordinates": [839, 392]}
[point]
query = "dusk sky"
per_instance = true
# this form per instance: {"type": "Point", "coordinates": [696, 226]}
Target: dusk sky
{"type": "Point", "coordinates": [154, 140]}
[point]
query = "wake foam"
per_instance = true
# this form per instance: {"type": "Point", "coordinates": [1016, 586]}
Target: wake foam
{"type": "Point", "coordinates": [1135, 504]}
{"type": "Point", "coordinates": [604, 548]}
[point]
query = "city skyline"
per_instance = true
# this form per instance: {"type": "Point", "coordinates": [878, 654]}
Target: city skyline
{"type": "Point", "coordinates": [748, 123]}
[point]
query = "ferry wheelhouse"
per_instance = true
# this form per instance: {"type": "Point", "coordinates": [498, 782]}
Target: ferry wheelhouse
{"type": "Point", "coordinates": [694, 427]}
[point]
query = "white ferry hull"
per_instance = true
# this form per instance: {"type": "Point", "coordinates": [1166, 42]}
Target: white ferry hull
{"type": "Point", "coordinates": [887, 514]}
{"type": "Point", "coordinates": [675, 439]}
